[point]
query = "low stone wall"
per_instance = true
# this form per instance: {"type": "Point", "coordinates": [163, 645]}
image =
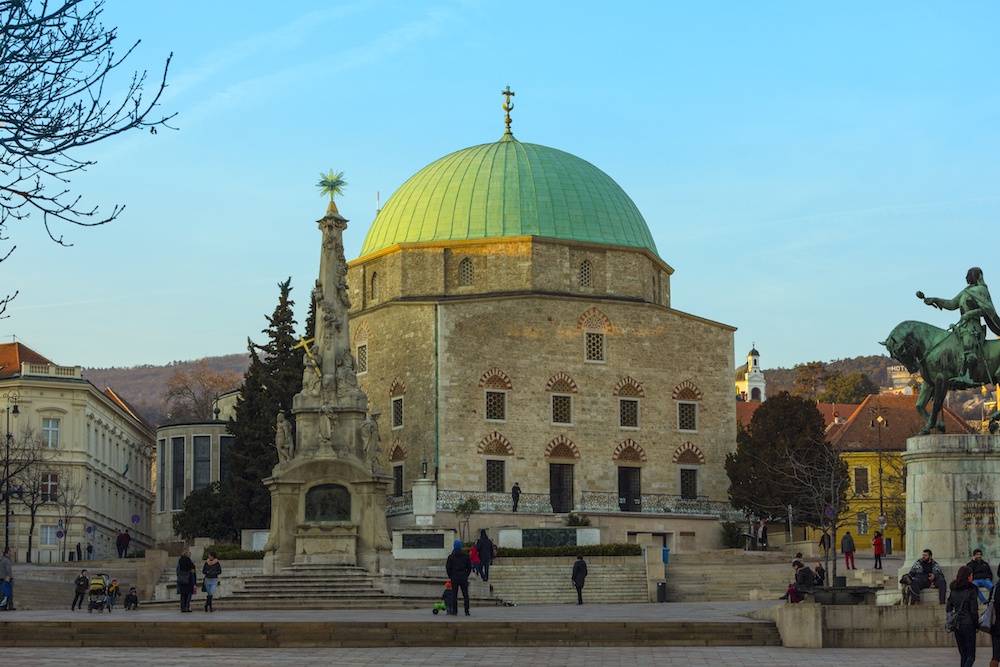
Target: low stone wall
{"type": "Point", "coordinates": [861, 626]}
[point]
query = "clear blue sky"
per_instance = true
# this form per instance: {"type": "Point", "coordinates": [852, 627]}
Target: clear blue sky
{"type": "Point", "coordinates": [804, 167]}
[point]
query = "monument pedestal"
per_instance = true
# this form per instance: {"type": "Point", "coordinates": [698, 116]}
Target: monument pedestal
{"type": "Point", "coordinates": [952, 498]}
{"type": "Point", "coordinates": [327, 509]}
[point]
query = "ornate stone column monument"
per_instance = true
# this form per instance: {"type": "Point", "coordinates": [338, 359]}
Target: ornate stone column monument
{"type": "Point", "coordinates": [328, 491]}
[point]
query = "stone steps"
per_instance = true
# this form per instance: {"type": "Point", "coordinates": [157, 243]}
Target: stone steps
{"type": "Point", "coordinates": [205, 632]}
{"type": "Point", "coordinates": [540, 581]}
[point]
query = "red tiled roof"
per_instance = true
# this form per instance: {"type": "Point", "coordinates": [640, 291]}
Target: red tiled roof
{"type": "Point", "coordinates": [900, 411]}
{"type": "Point", "coordinates": [12, 355]}
{"type": "Point", "coordinates": [830, 411]}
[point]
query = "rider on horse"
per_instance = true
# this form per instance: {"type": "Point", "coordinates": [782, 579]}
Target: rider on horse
{"type": "Point", "coordinates": [974, 302]}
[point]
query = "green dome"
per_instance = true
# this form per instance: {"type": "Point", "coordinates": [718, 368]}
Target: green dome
{"type": "Point", "coordinates": [509, 188]}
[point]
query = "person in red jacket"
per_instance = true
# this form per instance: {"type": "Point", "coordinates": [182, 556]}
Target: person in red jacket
{"type": "Point", "coordinates": [878, 548]}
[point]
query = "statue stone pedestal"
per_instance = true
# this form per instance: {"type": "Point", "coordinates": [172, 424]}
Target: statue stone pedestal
{"type": "Point", "coordinates": [952, 498]}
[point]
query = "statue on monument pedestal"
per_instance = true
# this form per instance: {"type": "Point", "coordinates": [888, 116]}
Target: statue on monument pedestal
{"type": "Point", "coordinates": [953, 359]}
{"type": "Point", "coordinates": [370, 439]}
{"type": "Point", "coordinates": [283, 441]}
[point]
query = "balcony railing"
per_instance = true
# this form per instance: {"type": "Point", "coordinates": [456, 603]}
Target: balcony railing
{"type": "Point", "coordinates": [495, 502]}
{"type": "Point", "coordinates": [399, 504]}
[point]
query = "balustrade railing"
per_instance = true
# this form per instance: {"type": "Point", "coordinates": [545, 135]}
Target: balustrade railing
{"type": "Point", "coordinates": [399, 504]}
{"type": "Point", "coordinates": [495, 502]}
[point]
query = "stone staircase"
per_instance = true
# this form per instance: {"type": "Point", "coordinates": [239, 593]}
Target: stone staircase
{"type": "Point", "coordinates": [727, 575]}
{"type": "Point", "coordinates": [547, 580]}
{"type": "Point", "coordinates": [298, 587]}
{"type": "Point", "coordinates": [50, 586]}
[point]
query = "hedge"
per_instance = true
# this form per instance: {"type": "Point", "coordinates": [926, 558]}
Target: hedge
{"type": "Point", "coordinates": [233, 552]}
{"type": "Point", "coordinates": [589, 550]}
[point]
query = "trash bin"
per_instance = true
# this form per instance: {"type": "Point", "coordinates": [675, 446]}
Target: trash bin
{"type": "Point", "coordinates": [888, 546]}
{"type": "Point", "coordinates": [666, 555]}
{"type": "Point", "coordinates": [840, 582]}
{"type": "Point", "coordinates": [661, 591]}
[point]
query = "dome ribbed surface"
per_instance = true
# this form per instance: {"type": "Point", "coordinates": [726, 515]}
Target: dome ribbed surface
{"type": "Point", "coordinates": [506, 189]}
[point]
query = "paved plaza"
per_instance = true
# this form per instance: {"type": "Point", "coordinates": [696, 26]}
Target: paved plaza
{"type": "Point", "coordinates": [545, 656]}
{"type": "Point", "coordinates": [536, 657]}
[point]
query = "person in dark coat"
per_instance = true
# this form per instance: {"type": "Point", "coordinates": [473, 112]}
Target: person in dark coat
{"type": "Point", "coordinates": [515, 494]}
{"type": "Point", "coordinates": [459, 567]}
{"type": "Point", "coordinates": [804, 578]}
{"type": "Point", "coordinates": [994, 628]}
{"type": "Point", "coordinates": [82, 584]}
{"type": "Point", "coordinates": [484, 545]}
{"type": "Point", "coordinates": [847, 547]}
{"type": "Point", "coordinates": [579, 576]}
{"type": "Point", "coordinates": [963, 601]}
{"type": "Point", "coordinates": [186, 580]}
{"type": "Point", "coordinates": [820, 572]}
{"type": "Point", "coordinates": [982, 573]}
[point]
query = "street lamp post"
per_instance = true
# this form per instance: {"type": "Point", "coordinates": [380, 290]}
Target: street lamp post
{"type": "Point", "coordinates": [878, 423]}
{"type": "Point", "coordinates": [11, 397]}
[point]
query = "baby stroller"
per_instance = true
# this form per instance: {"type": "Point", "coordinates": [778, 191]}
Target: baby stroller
{"type": "Point", "coordinates": [98, 596]}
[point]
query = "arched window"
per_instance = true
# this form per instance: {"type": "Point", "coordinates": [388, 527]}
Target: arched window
{"type": "Point", "coordinates": [466, 273]}
{"type": "Point", "coordinates": [374, 291]}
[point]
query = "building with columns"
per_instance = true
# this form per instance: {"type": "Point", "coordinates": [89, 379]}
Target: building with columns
{"type": "Point", "coordinates": [93, 456]}
{"type": "Point", "coordinates": [512, 322]}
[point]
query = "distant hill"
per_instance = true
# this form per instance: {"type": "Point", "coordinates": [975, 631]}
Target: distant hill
{"type": "Point", "coordinates": [783, 379]}
{"type": "Point", "coordinates": [144, 386]}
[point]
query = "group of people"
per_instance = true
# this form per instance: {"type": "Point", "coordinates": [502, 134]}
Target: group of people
{"type": "Point", "coordinates": [461, 565]}
{"type": "Point", "coordinates": [187, 579]}
{"type": "Point", "coordinates": [963, 603]}
{"type": "Point", "coordinates": [847, 547]}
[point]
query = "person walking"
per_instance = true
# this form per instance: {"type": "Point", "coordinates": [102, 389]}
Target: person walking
{"type": "Point", "coordinates": [476, 562]}
{"type": "Point", "coordinates": [994, 629]}
{"type": "Point", "coordinates": [185, 579]}
{"type": "Point", "coordinates": [878, 548]}
{"type": "Point", "coordinates": [210, 577]}
{"type": "Point", "coordinates": [485, 547]}
{"type": "Point", "coordinates": [82, 583]}
{"type": "Point", "coordinates": [459, 567]}
{"type": "Point", "coordinates": [515, 494]}
{"type": "Point", "coordinates": [824, 543]}
{"type": "Point", "coordinates": [847, 546]}
{"type": "Point", "coordinates": [982, 574]}
{"type": "Point", "coordinates": [579, 576]}
{"type": "Point", "coordinates": [122, 542]}
{"type": "Point", "coordinates": [963, 601]}
{"type": "Point", "coordinates": [7, 587]}
{"type": "Point", "coordinates": [79, 551]}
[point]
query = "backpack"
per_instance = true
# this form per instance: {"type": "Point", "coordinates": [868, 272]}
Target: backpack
{"type": "Point", "coordinates": [496, 549]}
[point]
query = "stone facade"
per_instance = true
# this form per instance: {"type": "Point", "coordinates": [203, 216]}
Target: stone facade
{"type": "Point", "coordinates": [97, 455]}
{"type": "Point", "coordinates": [441, 326]}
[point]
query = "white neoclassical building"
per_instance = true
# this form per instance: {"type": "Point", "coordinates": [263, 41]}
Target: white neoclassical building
{"type": "Point", "coordinates": [94, 469]}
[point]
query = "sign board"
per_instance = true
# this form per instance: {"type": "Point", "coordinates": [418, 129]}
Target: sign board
{"type": "Point", "coordinates": [136, 518]}
{"type": "Point", "coordinates": [60, 534]}
{"type": "Point", "coordinates": [829, 512]}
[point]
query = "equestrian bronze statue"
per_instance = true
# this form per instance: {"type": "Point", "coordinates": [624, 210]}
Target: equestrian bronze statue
{"type": "Point", "coordinates": [953, 359]}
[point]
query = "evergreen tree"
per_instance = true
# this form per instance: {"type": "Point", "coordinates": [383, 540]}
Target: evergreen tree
{"type": "Point", "coordinates": [273, 378]}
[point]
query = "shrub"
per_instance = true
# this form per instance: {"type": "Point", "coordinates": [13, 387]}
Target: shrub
{"type": "Point", "coordinates": [577, 519]}
{"type": "Point", "coordinates": [589, 550]}
{"type": "Point", "coordinates": [732, 535]}
{"type": "Point", "coordinates": [233, 552]}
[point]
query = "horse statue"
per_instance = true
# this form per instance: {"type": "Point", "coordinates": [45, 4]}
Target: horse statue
{"type": "Point", "coordinates": [938, 355]}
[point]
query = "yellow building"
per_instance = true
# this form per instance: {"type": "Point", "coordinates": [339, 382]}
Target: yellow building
{"type": "Point", "coordinates": [870, 441]}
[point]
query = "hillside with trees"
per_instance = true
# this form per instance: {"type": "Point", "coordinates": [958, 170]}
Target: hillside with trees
{"type": "Point", "coordinates": [145, 387]}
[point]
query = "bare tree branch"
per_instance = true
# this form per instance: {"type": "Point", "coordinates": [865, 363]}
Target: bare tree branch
{"type": "Point", "coordinates": [55, 61]}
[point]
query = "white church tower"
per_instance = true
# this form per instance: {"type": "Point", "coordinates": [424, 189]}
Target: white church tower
{"type": "Point", "coordinates": [750, 383]}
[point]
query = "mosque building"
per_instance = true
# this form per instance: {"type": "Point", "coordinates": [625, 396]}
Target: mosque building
{"type": "Point", "coordinates": [511, 322]}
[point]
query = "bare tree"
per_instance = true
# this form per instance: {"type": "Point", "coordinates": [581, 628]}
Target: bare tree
{"type": "Point", "coordinates": [68, 503]}
{"type": "Point", "coordinates": [56, 58]}
{"type": "Point", "coordinates": [32, 485]}
{"type": "Point", "coordinates": [191, 394]}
